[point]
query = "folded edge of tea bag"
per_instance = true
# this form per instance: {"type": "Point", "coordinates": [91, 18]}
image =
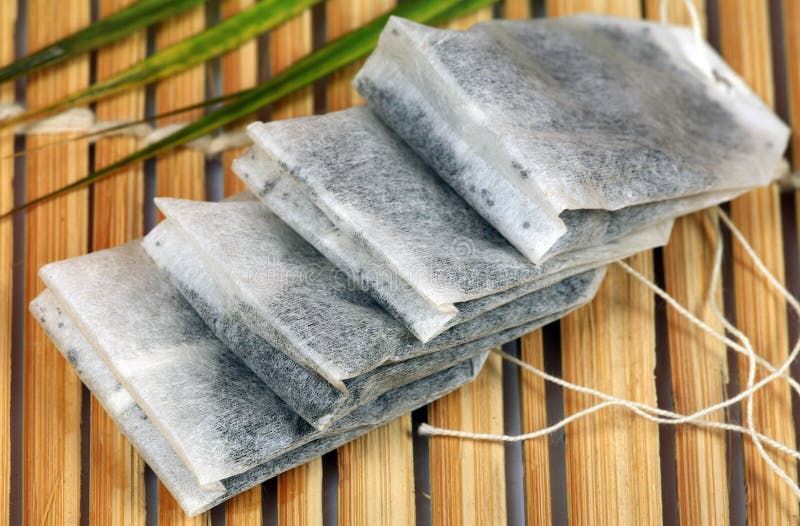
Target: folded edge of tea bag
{"type": "Point", "coordinates": [155, 450]}
{"type": "Point", "coordinates": [302, 389]}
{"type": "Point", "coordinates": [263, 176]}
{"type": "Point", "coordinates": [526, 220]}
{"type": "Point", "coordinates": [421, 123]}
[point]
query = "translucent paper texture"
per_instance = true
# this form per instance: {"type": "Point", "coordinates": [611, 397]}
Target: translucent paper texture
{"type": "Point", "coordinates": [350, 187]}
{"type": "Point", "coordinates": [304, 390]}
{"type": "Point", "coordinates": [218, 416]}
{"type": "Point", "coordinates": [546, 126]}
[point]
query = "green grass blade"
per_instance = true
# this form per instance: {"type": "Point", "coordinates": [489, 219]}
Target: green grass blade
{"type": "Point", "coordinates": [214, 41]}
{"type": "Point", "coordinates": [111, 28]}
{"type": "Point", "coordinates": [325, 60]}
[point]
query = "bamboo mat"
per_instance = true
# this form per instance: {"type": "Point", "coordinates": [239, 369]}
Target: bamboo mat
{"type": "Point", "coordinates": [62, 461]}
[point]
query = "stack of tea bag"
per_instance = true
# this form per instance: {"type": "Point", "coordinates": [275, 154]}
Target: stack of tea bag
{"type": "Point", "coordinates": [569, 132]}
{"type": "Point", "coordinates": [384, 250]}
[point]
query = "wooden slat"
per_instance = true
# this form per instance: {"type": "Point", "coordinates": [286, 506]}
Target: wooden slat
{"type": "Point", "coordinates": [239, 71]}
{"type": "Point", "coordinates": [343, 16]}
{"type": "Point", "coordinates": [613, 472]}
{"type": "Point", "coordinates": [535, 454]}
{"type": "Point", "coordinates": [791, 28]}
{"type": "Point", "coordinates": [468, 478]}
{"type": "Point", "coordinates": [517, 9]}
{"type": "Point", "coordinates": [299, 490]}
{"type": "Point", "coordinates": [533, 406]}
{"type": "Point", "coordinates": [376, 475]}
{"type": "Point", "coordinates": [300, 495]}
{"type": "Point", "coordinates": [8, 15]}
{"type": "Point", "coordinates": [760, 313]}
{"type": "Point", "coordinates": [698, 366]}
{"type": "Point", "coordinates": [244, 509]}
{"type": "Point", "coordinates": [180, 173]}
{"type": "Point", "coordinates": [116, 482]}
{"type": "Point", "coordinates": [698, 363]}
{"type": "Point", "coordinates": [55, 230]}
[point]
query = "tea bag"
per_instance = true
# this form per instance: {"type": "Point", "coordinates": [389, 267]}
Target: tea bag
{"type": "Point", "coordinates": [351, 188]}
{"type": "Point", "coordinates": [220, 419]}
{"type": "Point", "coordinates": [160, 456]}
{"type": "Point", "coordinates": [292, 297]}
{"type": "Point", "coordinates": [545, 126]}
{"type": "Point", "coordinates": [305, 391]}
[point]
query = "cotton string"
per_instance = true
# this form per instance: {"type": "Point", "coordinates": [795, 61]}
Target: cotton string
{"type": "Point", "coordinates": [82, 120]}
{"type": "Point", "coordinates": [661, 416]}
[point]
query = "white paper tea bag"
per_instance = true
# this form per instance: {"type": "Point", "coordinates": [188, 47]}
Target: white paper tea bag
{"type": "Point", "coordinates": [291, 296]}
{"type": "Point", "coordinates": [306, 392]}
{"type": "Point", "coordinates": [351, 188]}
{"type": "Point", "coordinates": [217, 415]}
{"type": "Point", "coordinates": [160, 456]}
{"type": "Point", "coordinates": [540, 123]}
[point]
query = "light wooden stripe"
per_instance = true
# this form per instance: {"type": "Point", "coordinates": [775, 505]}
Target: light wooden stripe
{"type": "Point", "coordinates": [8, 15]}
{"type": "Point", "coordinates": [116, 482]}
{"type": "Point", "coordinates": [180, 173]}
{"type": "Point", "coordinates": [517, 9]}
{"type": "Point", "coordinates": [468, 477]}
{"type": "Point", "coordinates": [376, 471]}
{"type": "Point", "coordinates": [239, 71]}
{"type": "Point", "coordinates": [791, 27]}
{"type": "Point", "coordinates": [535, 454]}
{"type": "Point", "coordinates": [533, 404]}
{"type": "Point", "coordinates": [288, 43]}
{"type": "Point", "coordinates": [698, 363]}
{"type": "Point", "coordinates": [343, 16]}
{"type": "Point", "coordinates": [613, 471]}
{"type": "Point", "coordinates": [244, 509]}
{"type": "Point", "coordinates": [55, 230]}
{"type": "Point", "coordinates": [300, 495]}
{"type": "Point", "coordinates": [760, 313]}
{"type": "Point", "coordinates": [299, 490]}
{"type": "Point", "coordinates": [376, 477]}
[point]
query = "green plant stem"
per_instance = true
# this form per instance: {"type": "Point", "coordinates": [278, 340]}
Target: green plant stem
{"type": "Point", "coordinates": [214, 41]}
{"type": "Point", "coordinates": [326, 60]}
{"type": "Point", "coordinates": [106, 31]}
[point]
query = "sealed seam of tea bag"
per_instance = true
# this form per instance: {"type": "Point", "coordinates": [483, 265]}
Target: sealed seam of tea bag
{"type": "Point", "coordinates": [286, 201]}
{"type": "Point", "coordinates": [199, 396]}
{"type": "Point", "coordinates": [408, 228]}
{"type": "Point", "coordinates": [311, 301]}
{"type": "Point", "coordinates": [118, 403]}
{"type": "Point", "coordinates": [189, 260]}
{"type": "Point", "coordinates": [308, 394]}
{"type": "Point", "coordinates": [582, 112]}
{"type": "Point", "coordinates": [160, 456]}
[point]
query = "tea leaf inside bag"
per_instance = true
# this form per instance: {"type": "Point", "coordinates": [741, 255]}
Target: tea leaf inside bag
{"type": "Point", "coordinates": [529, 119]}
{"type": "Point", "coordinates": [351, 188]}
{"type": "Point", "coordinates": [305, 391]}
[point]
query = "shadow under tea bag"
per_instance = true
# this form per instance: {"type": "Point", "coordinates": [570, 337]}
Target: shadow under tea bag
{"type": "Point", "coordinates": [158, 453]}
{"type": "Point", "coordinates": [217, 415]}
{"type": "Point", "coordinates": [355, 191]}
{"type": "Point", "coordinates": [291, 296]}
{"type": "Point", "coordinates": [545, 125]}
{"type": "Point", "coordinates": [306, 392]}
